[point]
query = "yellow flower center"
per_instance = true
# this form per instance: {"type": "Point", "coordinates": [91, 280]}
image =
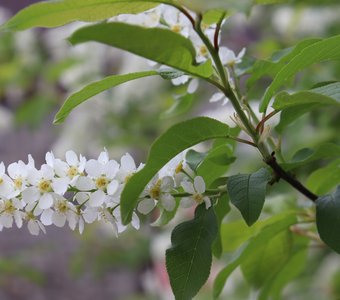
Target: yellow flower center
{"type": "Point", "coordinates": [198, 198]}
{"type": "Point", "coordinates": [179, 168]}
{"type": "Point", "coordinates": [72, 171]}
{"type": "Point", "coordinates": [176, 28]}
{"type": "Point", "coordinates": [45, 186]}
{"type": "Point", "coordinates": [1, 180]}
{"type": "Point", "coordinates": [62, 207]}
{"type": "Point", "coordinates": [9, 207]}
{"type": "Point", "coordinates": [102, 182]}
{"type": "Point", "coordinates": [18, 183]}
{"type": "Point", "coordinates": [203, 50]}
{"type": "Point", "coordinates": [155, 191]}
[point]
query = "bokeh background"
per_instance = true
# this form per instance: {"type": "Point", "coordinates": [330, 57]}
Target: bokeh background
{"type": "Point", "coordinates": [38, 69]}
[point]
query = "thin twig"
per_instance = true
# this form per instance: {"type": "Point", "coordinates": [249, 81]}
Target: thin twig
{"type": "Point", "coordinates": [259, 127]}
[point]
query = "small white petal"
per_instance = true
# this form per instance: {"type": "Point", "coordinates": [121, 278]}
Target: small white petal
{"type": "Point", "coordinates": [112, 187]}
{"type": "Point", "coordinates": [127, 163]}
{"type": "Point", "coordinates": [94, 168]}
{"type": "Point", "coordinates": [6, 220]}
{"type": "Point", "coordinates": [188, 187]}
{"type": "Point", "coordinates": [58, 219]}
{"type": "Point", "coordinates": [60, 185]}
{"type": "Point", "coordinates": [168, 202]}
{"type": "Point", "coordinates": [33, 227]}
{"type": "Point", "coordinates": [187, 202]}
{"type": "Point", "coordinates": [207, 202]}
{"type": "Point", "coordinates": [85, 184]}
{"type": "Point", "coordinates": [199, 184]}
{"type": "Point", "coordinates": [103, 157]}
{"type": "Point", "coordinates": [135, 221]}
{"type": "Point", "coordinates": [97, 198]}
{"type": "Point", "coordinates": [90, 215]}
{"type": "Point", "coordinates": [216, 97]}
{"type": "Point", "coordinates": [193, 86]}
{"type": "Point", "coordinates": [146, 206]}
{"type": "Point", "coordinates": [45, 201]}
{"type": "Point", "coordinates": [111, 168]}
{"type": "Point", "coordinates": [71, 158]}
{"type": "Point", "coordinates": [46, 217]}
{"type": "Point", "coordinates": [30, 195]}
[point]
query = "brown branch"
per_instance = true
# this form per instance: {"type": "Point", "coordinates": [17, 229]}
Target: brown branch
{"type": "Point", "coordinates": [280, 173]}
{"type": "Point", "coordinates": [259, 127]}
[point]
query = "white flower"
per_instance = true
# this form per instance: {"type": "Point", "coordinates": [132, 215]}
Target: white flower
{"type": "Point", "coordinates": [177, 21]}
{"type": "Point", "coordinates": [9, 210]}
{"type": "Point", "coordinates": [228, 56]}
{"type": "Point", "coordinates": [158, 190]}
{"type": "Point", "coordinates": [34, 225]}
{"type": "Point", "coordinates": [196, 190]}
{"type": "Point", "coordinates": [44, 187]}
{"type": "Point", "coordinates": [72, 168]}
{"type": "Point", "coordinates": [101, 174]}
{"type": "Point", "coordinates": [19, 171]}
{"type": "Point", "coordinates": [6, 183]}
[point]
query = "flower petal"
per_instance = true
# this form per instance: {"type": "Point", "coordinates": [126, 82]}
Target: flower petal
{"type": "Point", "coordinates": [146, 206]}
{"type": "Point", "coordinates": [199, 184]}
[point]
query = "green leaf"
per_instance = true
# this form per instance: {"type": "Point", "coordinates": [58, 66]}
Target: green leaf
{"type": "Point", "coordinates": [235, 233]}
{"type": "Point", "coordinates": [289, 115]}
{"type": "Point", "coordinates": [247, 192]}
{"type": "Point", "coordinates": [324, 179]}
{"type": "Point", "coordinates": [222, 208]}
{"type": "Point", "coordinates": [194, 158]}
{"type": "Point", "coordinates": [175, 140]}
{"type": "Point", "coordinates": [93, 89]}
{"type": "Point", "coordinates": [188, 261]}
{"type": "Point", "coordinates": [58, 13]}
{"type": "Point", "coordinates": [170, 74]}
{"type": "Point", "coordinates": [267, 259]}
{"type": "Point", "coordinates": [216, 163]}
{"type": "Point", "coordinates": [214, 16]}
{"type": "Point", "coordinates": [307, 155]}
{"type": "Point", "coordinates": [278, 60]}
{"type": "Point", "coordinates": [325, 95]}
{"type": "Point", "coordinates": [327, 49]}
{"type": "Point", "coordinates": [327, 219]}
{"type": "Point", "coordinates": [157, 44]}
{"type": "Point", "coordinates": [181, 106]}
{"type": "Point", "coordinates": [295, 265]}
{"type": "Point", "coordinates": [246, 251]}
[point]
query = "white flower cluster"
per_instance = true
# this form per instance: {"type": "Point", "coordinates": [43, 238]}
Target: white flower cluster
{"type": "Point", "coordinates": [78, 191]}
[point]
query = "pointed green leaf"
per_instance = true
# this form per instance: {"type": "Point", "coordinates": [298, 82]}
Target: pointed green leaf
{"type": "Point", "coordinates": [290, 114]}
{"type": "Point", "coordinates": [93, 89]}
{"type": "Point", "coordinates": [272, 66]}
{"type": "Point", "coordinates": [247, 192]}
{"type": "Point", "coordinates": [235, 233]}
{"type": "Point", "coordinates": [188, 261]}
{"type": "Point", "coordinates": [307, 155]}
{"type": "Point", "coordinates": [58, 13]}
{"type": "Point", "coordinates": [324, 50]}
{"type": "Point", "coordinates": [328, 220]}
{"type": "Point", "coordinates": [324, 179]}
{"type": "Point", "coordinates": [263, 237]}
{"type": "Point", "coordinates": [267, 259]}
{"type": "Point", "coordinates": [216, 163]}
{"type": "Point", "coordinates": [295, 265]}
{"type": "Point", "coordinates": [193, 158]}
{"type": "Point", "coordinates": [325, 95]}
{"type": "Point", "coordinates": [175, 140]}
{"type": "Point", "coordinates": [157, 44]}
